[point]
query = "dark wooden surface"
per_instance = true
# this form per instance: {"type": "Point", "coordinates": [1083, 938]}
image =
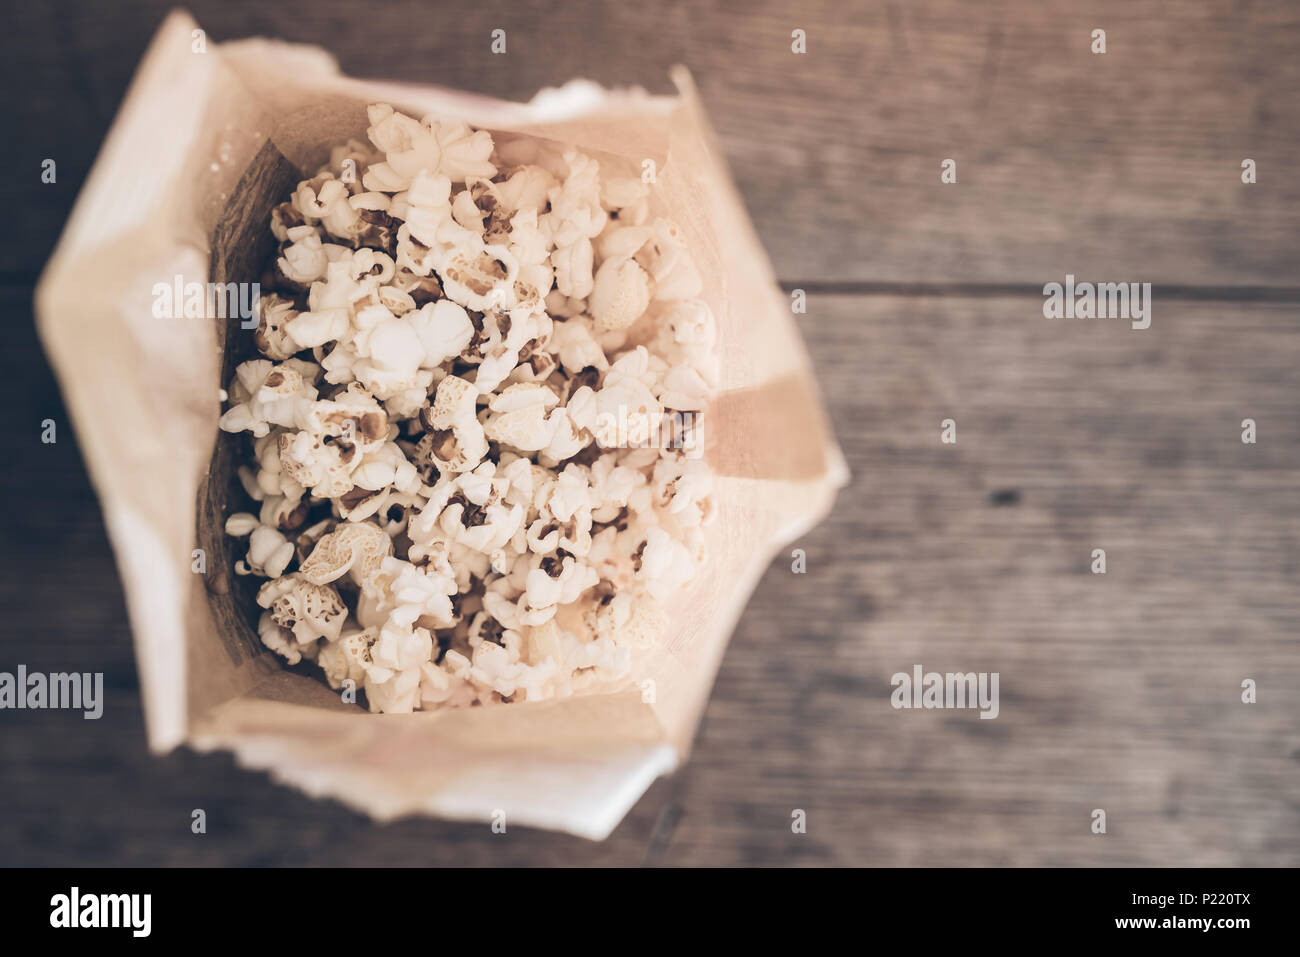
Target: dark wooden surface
{"type": "Point", "coordinates": [1118, 692]}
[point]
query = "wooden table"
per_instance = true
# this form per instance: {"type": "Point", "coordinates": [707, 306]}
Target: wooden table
{"type": "Point", "coordinates": [1119, 691]}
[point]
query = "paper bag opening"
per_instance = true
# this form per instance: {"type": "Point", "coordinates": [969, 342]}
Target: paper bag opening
{"type": "Point", "coordinates": [143, 394]}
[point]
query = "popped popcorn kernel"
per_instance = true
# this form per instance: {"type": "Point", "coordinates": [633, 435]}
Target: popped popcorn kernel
{"type": "Point", "coordinates": [466, 493]}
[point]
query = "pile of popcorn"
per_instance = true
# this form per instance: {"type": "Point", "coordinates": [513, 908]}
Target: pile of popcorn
{"type": "Point", "coordinates": [475, 434]}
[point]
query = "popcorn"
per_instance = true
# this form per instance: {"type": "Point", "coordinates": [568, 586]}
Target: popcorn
{"type": "Point", "coordinates": [573, 269]}
{"type": "Point", "coordinates": [272, 337]}
{"type": "Point", "coordinates": [664, 565]}
{"type": "Point", "coordinates": [621, 192]}
{"type": "Point", "coordinates": [575, 206]}
{"type": "Point", "coordinates": [468, 348]}
{"type": "Point", "coordinates": [304, 260]}
{"type": "Point", "coordinates": [265, 394]}
{"type": "Point", "coordinates": [308, 611]}
{"type": "Point", "coordinates": [328, 200]}
{"type": "Point", "coordinates": [327, 315]}
{"type": "Point", "coordinates": [356, 547]}
{"type": "Point", "coordinates": [269, 553]}
{"type": "Point", "coordinates": [283, 512]}
{"type": "Point", "coordinates": [455, 441]}
{"type": "Point", "coordinates": [519, 417]}
{"type": "Point", "coordinates": [556, 581]}
{"type": "Point", "coordinates": [452, 149]}
{"type": "Point", "coordinates": [339, 663]}
{"type": "Point", "coordinates": [444, 330]}
{"type": "Point", "coordinates": [627, 412]}
{"type": "Point", "coordinates": [240, 524]}
{"type": "Point", "coordinates": [620, 295]}
{"type": "Point", "coordinates": [414, 594]}
{"type": "Point", "coordinates": [577, 348]}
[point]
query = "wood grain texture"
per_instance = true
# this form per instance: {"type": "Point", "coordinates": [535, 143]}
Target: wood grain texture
{"type": "Point", "coordinates": [1122, 166]}
{"type": "Point", "coordinates": [1118, 691]}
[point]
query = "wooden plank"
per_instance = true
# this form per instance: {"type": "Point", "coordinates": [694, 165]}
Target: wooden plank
{"type": "Point", "coordinates": [1118, 691]}
{"type": "Point", "coordinates": [1122, 166]}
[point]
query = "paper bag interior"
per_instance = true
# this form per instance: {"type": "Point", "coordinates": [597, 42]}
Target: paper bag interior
{"type": "Point", "coordinates": [143, 393]}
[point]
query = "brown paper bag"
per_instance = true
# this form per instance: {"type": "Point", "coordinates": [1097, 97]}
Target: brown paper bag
{"type": "Point", "coordinates": [208, 139]}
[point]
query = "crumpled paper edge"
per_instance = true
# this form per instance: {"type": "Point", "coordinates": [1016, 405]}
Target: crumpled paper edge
{"type": "Point", "coordinates": [137, 552]}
